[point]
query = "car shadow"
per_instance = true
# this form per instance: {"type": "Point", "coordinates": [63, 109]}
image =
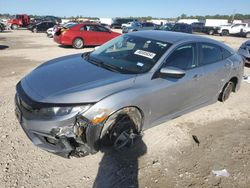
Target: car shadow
{"type": "Point", "coordinates": [3, 47]}
{"type": "Point", "coordinates": [120, 168]}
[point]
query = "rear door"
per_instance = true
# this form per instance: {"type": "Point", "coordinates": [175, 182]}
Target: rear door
{"type": "Point", "coordinates": [216, 68]}
{"type": "Point", "coordinates": [90, 34]}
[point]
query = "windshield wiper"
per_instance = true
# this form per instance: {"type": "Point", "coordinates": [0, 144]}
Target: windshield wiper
{"type": "Point", "coordinates": [100, 63]}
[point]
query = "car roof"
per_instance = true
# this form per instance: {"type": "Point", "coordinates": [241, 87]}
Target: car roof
{"type": "Point", "coordinates": [175, 37]}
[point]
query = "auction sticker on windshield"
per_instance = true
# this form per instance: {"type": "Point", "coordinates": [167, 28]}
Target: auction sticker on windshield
{"type": "Point", "coordinates": [143, 53]}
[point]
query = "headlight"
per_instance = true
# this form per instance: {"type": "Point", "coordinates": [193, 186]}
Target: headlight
{"type": "Point", "coordinates": [61, 111]}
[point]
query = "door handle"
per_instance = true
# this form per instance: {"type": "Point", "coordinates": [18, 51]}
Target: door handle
{"type": "Point", "coordinates": [197, 76]}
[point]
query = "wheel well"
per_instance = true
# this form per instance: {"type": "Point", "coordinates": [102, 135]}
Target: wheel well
{"type": "Point", "coordinates": [235, 81]}
{"type": "Point", "coordinates": [133, 112]}
{"type": "Point", "coordinates": [225, 30]}
{"type": "Point", "coordinates": [77, 38]}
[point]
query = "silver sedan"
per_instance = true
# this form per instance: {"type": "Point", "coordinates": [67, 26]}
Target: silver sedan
{"type": "Point", "coordinates": [73, 104]}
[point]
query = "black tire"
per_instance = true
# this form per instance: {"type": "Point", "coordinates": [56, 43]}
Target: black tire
{"type": "Point", "coordinates": [34, 30]}
{"type": "Point", "coordinates": [211, 32]}
{"type": "Point", "coordinates": [225, 33]}
{"type": "Point", "coordinates": [134, 30]}
{"type": "Point", "coordinates": [14, 26]}
{"type": "Point", "coordinates": [248, 35]}
{"type": "Point", "coordinates": [226, 91]}
{"type": "Point", "coordinates": [78, 43]}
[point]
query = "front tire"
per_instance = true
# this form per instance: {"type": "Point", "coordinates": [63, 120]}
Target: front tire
{"type": "Point", "coordinates": [14, 26]}
{"type": "Point", "coordinates": [248, 35]}
{"type": "Point", "coordinates": [211, 32]}
{"type": "Point", "coordinates": [34, 30]}
{"type": "Point", "coordinates": [227, 90]}
{"type": "Point", "coordinates": [225, 33]}
{"type": "Point", "coordinates": [123, 133]}
{"type": "Point", "coordinates": [78, 43]}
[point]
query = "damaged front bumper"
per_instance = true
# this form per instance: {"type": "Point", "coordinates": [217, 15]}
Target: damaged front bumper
{"type": "Point", "coordinates": [69, 135]}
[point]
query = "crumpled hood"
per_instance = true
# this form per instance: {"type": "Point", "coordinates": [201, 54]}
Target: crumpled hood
{"type": "Point", "coordinates": [71, 79]}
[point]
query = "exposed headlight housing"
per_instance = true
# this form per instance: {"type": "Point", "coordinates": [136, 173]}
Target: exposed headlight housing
{"type": "Point", "coordinates": [62, 111]}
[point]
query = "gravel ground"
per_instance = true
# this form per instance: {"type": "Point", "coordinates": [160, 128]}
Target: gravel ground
{"type": "Point", "coordinates": [167, 156]}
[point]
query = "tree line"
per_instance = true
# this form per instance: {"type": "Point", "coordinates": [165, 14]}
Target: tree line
{"type": "Point", "coordinates": [236, 16]}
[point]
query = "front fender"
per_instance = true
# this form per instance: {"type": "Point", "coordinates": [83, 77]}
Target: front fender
{"type": "Point", "coordinates": [113, 103]}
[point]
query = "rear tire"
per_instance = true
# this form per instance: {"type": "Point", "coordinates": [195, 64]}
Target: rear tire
{"type": "Point", "coordinates": [78, 43]}
{"type": "Point", "coordinates": [227, 90]}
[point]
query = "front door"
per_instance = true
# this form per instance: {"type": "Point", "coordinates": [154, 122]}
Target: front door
{"type": "Point", "coordinates": [172, 95]}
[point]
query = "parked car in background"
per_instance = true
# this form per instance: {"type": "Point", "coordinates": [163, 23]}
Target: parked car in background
{"type": "Point", "coordinates": [178, 27]}
{"type": "Point", "coordinates": [137, 26]}
{"type": "Point", "coordinates": [2, 27]}
{"type": "Point", "coordinates": [244, 51]}
{"type": "Point", "coordinates": [51, 31]}
{"type": "Point", "coordinates": [42, 26]}
{"type": "Point", "coordinates": [129, 24]}
{"type": "Point", "coordinates": [84, 34]}
{"type": "Point", "coordinates": [234, 29]}
{"type": "Point", "coordinates": [117, 22]}
{"type": "Point", "coordinates": [182, 27]}
{"type": "Point", "coordinates": [54, 19]}
{"type": "Point", "coordinates": [166, 27]}
{"type": "Point", "coordinates": [198, 26]}
{"type": "Point", "coordinates": [72, 104]}
{"type": "Point", "coordinates": [19, 20]}
{"type": "Point", "coordinates": [105, 25]}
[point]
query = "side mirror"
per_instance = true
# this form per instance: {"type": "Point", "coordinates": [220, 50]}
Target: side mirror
{"type": "Point", "coordinates": [172, 72]}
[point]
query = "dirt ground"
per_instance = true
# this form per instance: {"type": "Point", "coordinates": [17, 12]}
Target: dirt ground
{"type": "Point", "coordinates": [167, 156]}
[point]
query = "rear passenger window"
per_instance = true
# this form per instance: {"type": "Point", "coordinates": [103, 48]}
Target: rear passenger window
{"type": "Point", "coordinates": [210, 54]}
{"type": "Point", "coordinates": [226, 53]}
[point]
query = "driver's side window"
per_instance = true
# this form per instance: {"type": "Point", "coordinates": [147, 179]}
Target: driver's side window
{"type": "Point", "coordinates": [184, 57]}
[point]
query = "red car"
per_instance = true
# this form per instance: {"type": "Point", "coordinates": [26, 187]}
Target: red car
{"type": "Point", "coordinates": [84, 34]}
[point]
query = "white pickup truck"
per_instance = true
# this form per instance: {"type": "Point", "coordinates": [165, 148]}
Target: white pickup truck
{"type": "Point", "coordinates": [232, 29]}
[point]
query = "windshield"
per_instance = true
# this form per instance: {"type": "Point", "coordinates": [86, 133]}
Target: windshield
{"type": "Point", "coordinates": [130, 54]}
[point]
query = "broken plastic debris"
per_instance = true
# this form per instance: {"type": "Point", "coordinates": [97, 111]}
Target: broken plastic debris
{"type": "Point", "coordinates": [223, 173]}
{"type": "Point", "coordinates": [246, 79]}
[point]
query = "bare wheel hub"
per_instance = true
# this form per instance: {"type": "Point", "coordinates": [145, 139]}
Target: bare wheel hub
{"type": "Point", "coordinates": [125, 139]}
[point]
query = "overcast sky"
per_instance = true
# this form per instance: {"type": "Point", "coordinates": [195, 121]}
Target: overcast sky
{"type": "Point", "coordinates": [115, 8]}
